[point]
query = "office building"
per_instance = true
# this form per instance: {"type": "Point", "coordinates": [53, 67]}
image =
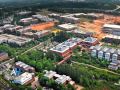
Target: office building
{"type": "Point", "coordinates": [67, 27]}
{"type": "Point", "coordinates": [111, 29]}
{"type": "Point", "coordinates": [89, 41]}
{"type": "Point", "coordinates": [24, 79]}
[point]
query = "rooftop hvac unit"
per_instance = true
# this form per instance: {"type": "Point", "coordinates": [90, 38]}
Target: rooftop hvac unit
{"type": "Point", "coordinates": [93, 53]}
{"type": "Point", "coordinates": [100, 54]}
{"type": "Point", "coordinates": [114, 57]}
{"type": "Point", "coordinates": [107, 56]}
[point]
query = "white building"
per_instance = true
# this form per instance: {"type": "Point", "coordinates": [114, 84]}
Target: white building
{"type": "Point", "coordinates": [24, 79]}
{"type": "Point", "coordinates": [67, 26]}
{"type": "Point", "coordinates": [60, 79]}
{"type": "Point", "coordinates": [111, 29]}
{"type": "Point", "coordinates": [49, 74]}
{"type": "Point", "coordinates": [63, 79]}
{"type": "Point", "coordinates": [114, 65]}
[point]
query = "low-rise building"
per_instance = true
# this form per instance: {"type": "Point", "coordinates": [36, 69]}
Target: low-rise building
{"type": "Point", "coordinates": [111, 29]}
{"type": "Point", "coordinates": [60, 79]}
{"type": "Point", "coordinates": [42, 18]}
{"type": "Point", "coordinates": [21, 67]}
{"type": "Point", "coordinates": [49, 74]}
{"type": "Point", "coordinates": [109, 54]}
{"type": "Point", "coordinates": [63, 79]}
{"type": "Point", "coordinates": [112, 39]}
{"type": "Point", "coordinates": [89, 15]}
{"type": "Point", "coordinates": [22, 13]}
{"type": "Point", "coordinates": [23, 30]}
{"type": "Point", "coordinates": [24, 79]}
{"type": "Point", "coordinates": [81, 33]}
{"type": "Point", "coordinates": [114, 65]}
{"type": "Point", "coordinates": [67, 26]}
{"type": "Point", "coordinates": [62, 50]}
{"type": "Point", "coordinates": [3, 56]}
{"type": "Point", "coordinates": [12, 39]}
{"type": "Point", "coordinates": [12, 28]}
{"type": "Point", "coordinates": [28, 21]}
{"type": "Point", "coordinates": [65, 49]}
{"type": "Point", "coordinates": [28, 34]}
{"type": "Point", "coordinates": [65, 18]}
{"type": "Point", "coordinates": [89, 41]}
{"type": "Point", "coordinates": [40, 34]}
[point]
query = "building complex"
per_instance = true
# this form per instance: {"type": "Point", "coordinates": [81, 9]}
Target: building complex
{"type": "Point", "coordinates": [60, 79]}
{"type": "Point", "coordinates": [65, 49]}
{"type": "Point", "coordinates": [110, 54]}
{"type": "Point", "coordinates": [12, 39]}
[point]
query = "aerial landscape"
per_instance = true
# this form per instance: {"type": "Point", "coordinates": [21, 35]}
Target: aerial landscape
{"type": "Point", "coordinates": [59, 44]}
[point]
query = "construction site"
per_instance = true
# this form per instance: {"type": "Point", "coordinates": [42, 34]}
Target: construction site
{"type": "Point", "coordinates": [42, 26]}
{"type": "Point", "coordinates": [96, 25]}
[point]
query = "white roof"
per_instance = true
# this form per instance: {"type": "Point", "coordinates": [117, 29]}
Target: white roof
{"type": "Point", "coordinates": [67, 26]}
{"type": "Point", "coordinates": [24, 78]}
{"type": "Point", "coordinates": [50, 74]}
{"type": "Point", "coordinates": [63, 79]}
{"type": "Point", "coordinates": [23, 65]}
{"type": "Point", "coordinates": [111, 26]}
{"type": "Point", "coordinates": [112, 36]}
{"type": "Point", "coordinates": [62, 47]}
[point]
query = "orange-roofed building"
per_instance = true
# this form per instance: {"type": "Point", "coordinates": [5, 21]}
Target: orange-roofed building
{"type": "Point", "coordinates": [42, 26]}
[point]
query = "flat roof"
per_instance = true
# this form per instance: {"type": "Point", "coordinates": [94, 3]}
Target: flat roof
{"type": "Point", "coordinates": [90, 39]}
{"type": "Point", "coordinates": [112, 36]}
{"type": "Point", "coordinates": [50, 74]}
{"type": "Point", "coordinates": [62, 79]}
{"type": "Point", "coordinates": [23, 65]}
{"type": "Point", "coordinates": [111, 26]}
{"type": "Point", "coordinates": [62, 47]}
{"type": "Point", "coordinates": [67, 26]}
{"type": "Point", "coordinates": [24, 78]}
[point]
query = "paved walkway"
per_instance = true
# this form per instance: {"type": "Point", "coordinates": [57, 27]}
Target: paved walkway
{"type": "Point", "coordinates": [96, 67]}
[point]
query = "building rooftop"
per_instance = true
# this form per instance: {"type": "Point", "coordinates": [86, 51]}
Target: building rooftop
{"type": "Point", "coordinates": [112, 36]}
{"type": "Point", "coordinates": [50, 74]}
{"type": "Point", "coordinates": [13, 39]}
{"type": "Point", "coordinates": [41, 32]}
{"type": "Point", "coordinates": [90, 39]}
{"type": "Point", "coordinates": [23, 65]}
{"type": "Point", "coordinates": [67, 26]}
{"type": "Point", "coordinates": [112, 50]}
{"type": "Point", "coordinates": [62, 47]}
{"type": "Point", "coordinates": [23, 78]}
{"type": "Point", "coordinates": [111, 26]}
{"type": "Point", "coordinates": [62, 79]}
{"type": "Point", "coordinates": [42, 17]}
